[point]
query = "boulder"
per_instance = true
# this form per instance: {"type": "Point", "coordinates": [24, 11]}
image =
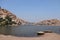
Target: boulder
{"type": "Point", "coordinates": [40, 33]}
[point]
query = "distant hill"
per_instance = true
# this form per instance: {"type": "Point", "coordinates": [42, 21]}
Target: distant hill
{"type": "Point", "coordinates": [18, 21]}
{"type": "Point", "coordinates": [51, 22]}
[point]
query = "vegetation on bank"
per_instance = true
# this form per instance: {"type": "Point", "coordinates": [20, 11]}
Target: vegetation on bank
{"type": "Point", "coordinates": [6, 21]}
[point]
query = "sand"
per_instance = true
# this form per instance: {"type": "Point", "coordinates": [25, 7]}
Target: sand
{"type": "Point", "coordinates": [47, 36]}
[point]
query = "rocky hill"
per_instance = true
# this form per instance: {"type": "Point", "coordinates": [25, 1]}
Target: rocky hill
{"type": "Point", "coordinates": [51, 22]}
{"type": "Point", "coordinates": [18, 21]}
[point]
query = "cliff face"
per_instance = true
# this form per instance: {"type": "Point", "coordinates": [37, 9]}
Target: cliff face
{"type": "Point", "coordinates": [52, 22]}
{"type": "Point", "coordinates": [4, 13]}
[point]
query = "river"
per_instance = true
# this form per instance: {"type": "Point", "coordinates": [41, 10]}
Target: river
{"type": "Point", "coordinates": [28, 30]}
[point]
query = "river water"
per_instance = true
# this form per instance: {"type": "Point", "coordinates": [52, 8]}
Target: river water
{"type": "Point", "coordinates": [29, 30]}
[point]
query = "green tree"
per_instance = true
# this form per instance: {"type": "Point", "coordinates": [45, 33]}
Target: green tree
{"type": "Point", "coordinates": [6, 21]}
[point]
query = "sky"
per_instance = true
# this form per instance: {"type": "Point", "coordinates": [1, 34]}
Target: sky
{"type": "Point", "coordinates": [33, 10]}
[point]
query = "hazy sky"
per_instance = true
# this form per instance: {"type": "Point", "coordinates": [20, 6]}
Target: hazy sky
{"type": "Point", "coordinates": [33, 10]}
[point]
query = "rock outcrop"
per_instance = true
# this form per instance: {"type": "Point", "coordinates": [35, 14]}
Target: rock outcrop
{"type": "Point", "coordinates": [4, 13]}
{"type": "Point", "coordinates": [52, 22]}
{"type": "Point", "coordinates": [18, 21]}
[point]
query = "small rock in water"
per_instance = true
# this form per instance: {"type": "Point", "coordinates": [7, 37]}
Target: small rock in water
{"type": "Point", "coordinates": [48, 31]}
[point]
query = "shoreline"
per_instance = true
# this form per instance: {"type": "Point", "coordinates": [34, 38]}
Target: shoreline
{"type": "Point", "coordinates": [47, 36]}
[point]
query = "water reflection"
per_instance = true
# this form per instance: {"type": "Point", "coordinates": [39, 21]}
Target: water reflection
{"type": "Point", "coordinates": [5, 30]}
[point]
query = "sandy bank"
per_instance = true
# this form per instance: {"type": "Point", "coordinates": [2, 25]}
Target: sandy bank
{"type": "Point", "coordinates": [47, 36]}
